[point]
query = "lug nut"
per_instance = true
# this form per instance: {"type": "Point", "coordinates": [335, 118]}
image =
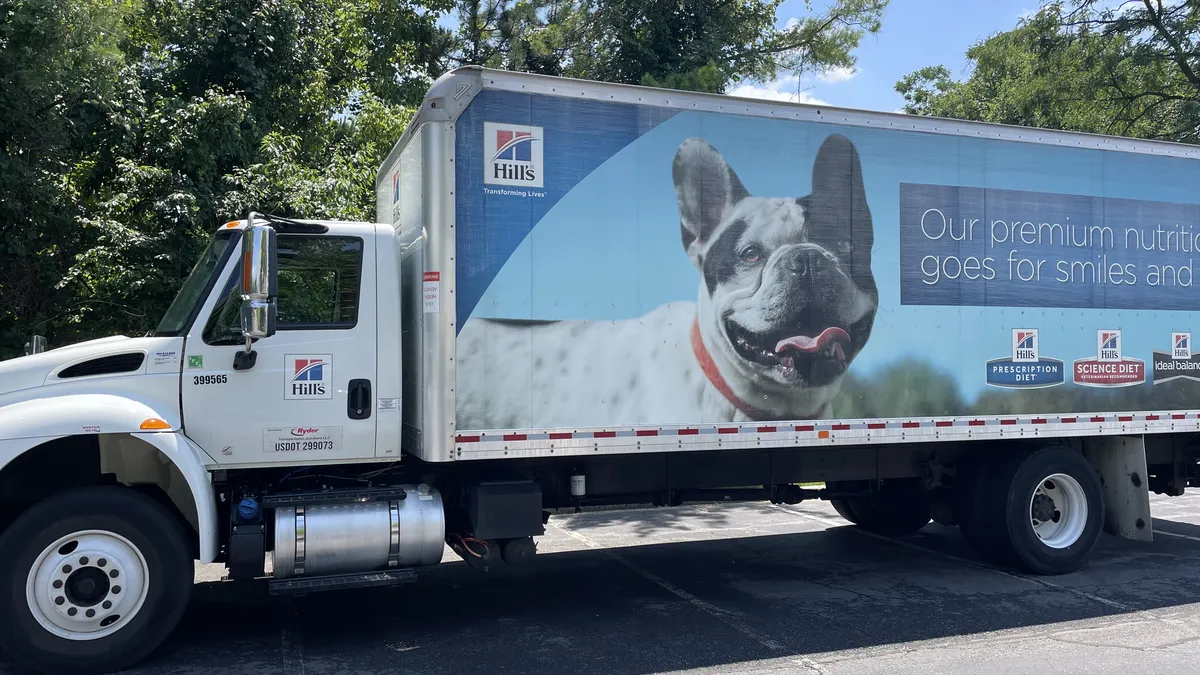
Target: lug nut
{"type": "Point", "coordinates": [59, 600]}
{"type": "Point", "coordinates": [102, 562]}
{"type": "Point", "coordinates": [114, 574]}
{"type": "Point", "coordinates": [83, 560]}
{"type": "Point", "coordinates": [72, 611]}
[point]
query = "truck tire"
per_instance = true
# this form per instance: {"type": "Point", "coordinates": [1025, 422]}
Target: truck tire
{"type": "Point", "coordinates": [1050, 510]}
{"type": "Point", "coordinates": [978, 524]}
{"type": "Point", "coordinates": [892, 511]}
{"type": "Point", "coordinates": [842, 506]}
{"type": "Point", "coordinates": [92, 581]}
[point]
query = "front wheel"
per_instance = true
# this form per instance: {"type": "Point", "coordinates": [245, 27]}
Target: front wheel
{"type": "Point", "coordinates": [93, 581]}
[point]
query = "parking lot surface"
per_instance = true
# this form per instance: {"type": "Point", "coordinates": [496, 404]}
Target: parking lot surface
{"type": "Point", "coordinates": [725, 588]}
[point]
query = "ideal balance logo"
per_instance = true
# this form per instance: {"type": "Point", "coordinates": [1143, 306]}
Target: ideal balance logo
{"type": "Point", "coordinates": [1025, 368]}
{"type": "Point", "coordinates": [1109, 368]}
{"type": "Point", "coordinates": [1180, 363]}
{"type": "Point", "coordinates": [512, 155]}
{"type": "Point", "coordinates": [309, 377]}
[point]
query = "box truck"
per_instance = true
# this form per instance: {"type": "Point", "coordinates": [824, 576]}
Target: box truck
{"type": "Point", "coordinates": [580, 294]}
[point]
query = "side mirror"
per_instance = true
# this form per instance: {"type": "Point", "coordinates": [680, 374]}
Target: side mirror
{"type": "Point", "coordinates": [36, 345]}
{"type": "Point", "coordinates": [260, 287]}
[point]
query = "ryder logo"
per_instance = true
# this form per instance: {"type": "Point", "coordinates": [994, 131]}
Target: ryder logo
{"type": "Point", "coordinates": [309, 377]}
{"type": "Point", "coordinates": [512, 155]}
{"type": "Point", "coordinates": [1108, 368]}
{"type": "Point", "coordinates": [1025, 368]}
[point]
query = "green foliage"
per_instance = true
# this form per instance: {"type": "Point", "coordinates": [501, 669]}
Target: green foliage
{"type": "Point", "coordinates": [129, 132]}
{"type": "Point", "coordinates": [1128, 71]}
{"type": "Point", "coordinates": [704, 45]}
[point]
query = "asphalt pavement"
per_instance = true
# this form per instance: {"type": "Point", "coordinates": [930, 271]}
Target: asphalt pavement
{"type": "Point", "coordinates": [726, 588]}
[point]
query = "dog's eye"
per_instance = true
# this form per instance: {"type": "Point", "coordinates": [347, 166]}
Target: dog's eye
{"type": "Point", "coordinates": [750, 254]}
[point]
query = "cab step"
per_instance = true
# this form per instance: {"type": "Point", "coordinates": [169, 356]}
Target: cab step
{"type": "Point", "coordinates": [337, 582]}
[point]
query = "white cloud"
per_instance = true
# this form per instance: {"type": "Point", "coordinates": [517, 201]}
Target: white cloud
{"type": "Point", "coordinates": [779, 90]}
{"type": "Point", "coordinates": [838, 75]}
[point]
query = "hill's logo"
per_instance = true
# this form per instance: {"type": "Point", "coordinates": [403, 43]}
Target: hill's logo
{"type": "Point", "coordinates": [395, 187]}
{"type": "Point", "coordinates": [1109, 368]}
{"type": "Point", "coordinates": [1181, 346]}
{"type": "Point", "coordinates": [1025, 346]}
{"type": "Point", "coordinates": [1108, 345]}
{"type": "Point", "coordinates": [1025, 368]}
{"type": "Point", "coordinates": [309, 377]}
{"type": "Point", "coordinates": [512, 155]}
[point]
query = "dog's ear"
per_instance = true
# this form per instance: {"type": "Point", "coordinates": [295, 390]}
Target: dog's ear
{"type": "Point", "coordinates": [837, 184]}
{"type": "Point", "coordinates": [707, 188]}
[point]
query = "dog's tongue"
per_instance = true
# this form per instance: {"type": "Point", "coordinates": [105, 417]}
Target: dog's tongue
{"type": "Point", "coordinates": [806, 344]}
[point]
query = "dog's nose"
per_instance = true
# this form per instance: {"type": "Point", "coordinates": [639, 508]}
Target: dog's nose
{"type": "Point", "coordinates": [801, 261]}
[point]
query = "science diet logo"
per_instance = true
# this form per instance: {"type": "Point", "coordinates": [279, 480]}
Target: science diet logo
{"type": "Point", "coordinates": [1025, 368]}
{"type": "Point", "coordinates": [512, 155]}
{"type": "Point", "coordinates": [309, 377]}
{"type": "Point", "coordinates": [1109, 368]}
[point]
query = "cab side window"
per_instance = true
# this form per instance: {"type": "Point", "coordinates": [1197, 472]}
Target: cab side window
{"type": "Point", "coordinates": [319, 283]}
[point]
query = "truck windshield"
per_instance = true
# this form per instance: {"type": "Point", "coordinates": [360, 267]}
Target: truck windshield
{"type": "Point", "coordinates": [195, 289]}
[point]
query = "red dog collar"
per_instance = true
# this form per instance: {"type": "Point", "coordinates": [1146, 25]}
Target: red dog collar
{"type": "Point", "coordinates": [714, 375]}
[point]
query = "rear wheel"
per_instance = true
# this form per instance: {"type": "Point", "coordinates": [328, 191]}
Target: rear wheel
{"type": "Point", "coordinates": [896, 509]}
{"type": "Point", "coordinates": [842, 506]}
{"type": "Point", "coordinates": [1042, 511]}
{"type": "Point", "coordinates": [93, 580]}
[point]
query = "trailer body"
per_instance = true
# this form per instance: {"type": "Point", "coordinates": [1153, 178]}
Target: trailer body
{"type": "Point", "coordinates": [1017, 282]}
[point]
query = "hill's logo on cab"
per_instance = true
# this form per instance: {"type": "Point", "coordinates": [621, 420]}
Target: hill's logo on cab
{"type": "Point", "coordinates": [309, 377]}
{"type": "Point", "coordinates": [512, 155]}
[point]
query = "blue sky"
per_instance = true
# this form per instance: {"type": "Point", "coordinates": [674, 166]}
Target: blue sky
{"type": "Point", "coordinates": [916, 33]}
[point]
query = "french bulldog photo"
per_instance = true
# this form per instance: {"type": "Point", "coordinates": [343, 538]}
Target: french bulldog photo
{"type": "Point", "coordinates": [786, 301]}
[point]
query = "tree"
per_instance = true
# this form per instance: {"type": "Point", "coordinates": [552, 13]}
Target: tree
{"type": "Point", "coordinates": [1120, 71]}
{"type": "Point", "coordinates": [59, 61]}
{"type": "Point", "coordinates": [216, 107]}
{"type": "Point", "coordinates": [704, 45]}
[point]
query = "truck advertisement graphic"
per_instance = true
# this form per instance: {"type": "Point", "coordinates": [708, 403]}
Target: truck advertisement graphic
{"type": "Point", "coordinates": [770, 269]}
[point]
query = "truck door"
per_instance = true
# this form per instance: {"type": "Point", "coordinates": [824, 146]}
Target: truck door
{"type": "Point", "coordinates": [309, 396]}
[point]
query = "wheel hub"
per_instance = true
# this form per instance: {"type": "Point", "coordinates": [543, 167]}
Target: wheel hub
{"type": "Point", "coordinates": [87, 585]}
{"type": "Point", "coordinates": [1058, 511]}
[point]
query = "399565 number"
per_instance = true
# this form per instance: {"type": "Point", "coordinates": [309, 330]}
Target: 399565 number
{"type": "Point", "coordinates": [202, 380]}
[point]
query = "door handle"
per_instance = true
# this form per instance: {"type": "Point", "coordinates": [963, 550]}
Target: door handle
{"type": "Point", "coordinates": [358, 400]}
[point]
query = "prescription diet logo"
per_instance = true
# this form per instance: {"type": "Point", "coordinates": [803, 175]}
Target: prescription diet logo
{"type": "Point", "coordinates": [309, 377]}
{"type": "Point", "coordinates": [1025, 367]}
{"type": "Point", "coordinates": [512, 155]}
{"type": "Point", "coordinates": [1109, 367]}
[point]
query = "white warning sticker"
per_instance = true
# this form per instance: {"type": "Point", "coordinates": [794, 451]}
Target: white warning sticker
{"type": "Point", "coordinates": [431, 291]}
